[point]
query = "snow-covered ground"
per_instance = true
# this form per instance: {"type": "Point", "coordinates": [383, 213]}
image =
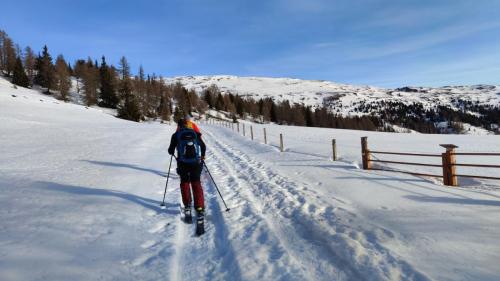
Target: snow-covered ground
{"type": "Point", "coordinates": [80, 193]}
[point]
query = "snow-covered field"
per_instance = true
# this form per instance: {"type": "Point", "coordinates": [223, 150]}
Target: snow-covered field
{"type": "Point", "coordinates": [80, 193]}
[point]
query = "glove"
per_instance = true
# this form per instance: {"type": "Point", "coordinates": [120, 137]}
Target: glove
{"type": "Point", "coordinates": [202, 158]}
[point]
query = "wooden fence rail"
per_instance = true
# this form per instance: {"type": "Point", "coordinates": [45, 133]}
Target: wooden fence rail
{"type": "Point", "coordinates": [448, 162]}
{"type": "Point", "coordinates": [448, 158]}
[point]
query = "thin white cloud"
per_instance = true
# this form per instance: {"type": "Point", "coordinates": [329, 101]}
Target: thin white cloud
{"type": "Point", "coordinates": [415, 43]}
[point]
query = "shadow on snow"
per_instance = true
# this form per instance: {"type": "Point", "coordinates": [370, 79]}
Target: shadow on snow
{"type": "Point", "coordinates": [87, 191]}
{"type": "Point", "coordinates": [128, 166]}
{"type": "Point", "coordinates": [451, 200]}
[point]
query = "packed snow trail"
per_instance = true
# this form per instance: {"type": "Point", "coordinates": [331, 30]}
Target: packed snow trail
{"type": "Point", "coordinates": [299, 239]}
{"type": "Point", "coordinates": [390, 226]}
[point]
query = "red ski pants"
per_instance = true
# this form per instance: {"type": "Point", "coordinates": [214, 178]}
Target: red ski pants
{"type": "Point", "coordinates": [197, 194]}
{"type": "Point", "coordinates": [190, 174]}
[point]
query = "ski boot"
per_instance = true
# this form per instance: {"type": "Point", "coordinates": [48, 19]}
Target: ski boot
{"type": "Point", "coordinates": [200, 221]}
{"type": "Point", "coordinates": [188, 217]}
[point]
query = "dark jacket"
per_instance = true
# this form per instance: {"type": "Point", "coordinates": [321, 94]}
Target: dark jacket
{"type": "Point", "coordinates": [173, 144]}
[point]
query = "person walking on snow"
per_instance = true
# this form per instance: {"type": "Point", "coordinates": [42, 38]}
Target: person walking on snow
{"type": "Point", "coordinates": [190, 156]}
{"type": "Point", "coordinates": [190, 124]}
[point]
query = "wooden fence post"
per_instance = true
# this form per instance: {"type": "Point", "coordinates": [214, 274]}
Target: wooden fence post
{"type": "Point", "coordinates": [251, 132]}
{"type": "Point", "coordinates": [265, 136]}
{"type": "Point", "coordinates": [243, 129]}
{"type": "Point", "coordinates": [334, 150]}
{"type": "Point", "coordinates": [365, 154]}
{"type": "Point", "coordinates": [449, 168]}
{"type": "Point", "coordinates": [281, 143]}
{"type": "Point", "coordinates": [446, 178]}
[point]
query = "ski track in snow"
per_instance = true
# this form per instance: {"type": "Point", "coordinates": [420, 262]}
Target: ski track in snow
{"type": "Point", "coordinates": [300, 248]}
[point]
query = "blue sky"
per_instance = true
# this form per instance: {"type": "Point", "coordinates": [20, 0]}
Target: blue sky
{"type": "Point", "coordinates": [387, 43]}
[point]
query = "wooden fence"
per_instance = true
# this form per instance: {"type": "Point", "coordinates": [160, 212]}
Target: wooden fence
{"type": "Point", "coordinates": [448, 162]}
{"type": "Point", "coordinates": [448, 165]}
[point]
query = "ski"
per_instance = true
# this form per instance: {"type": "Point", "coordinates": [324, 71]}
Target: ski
{"type": "Point", "coordinates": [200, 224]}
{"type": "Point", "coordinates": [188, 218]}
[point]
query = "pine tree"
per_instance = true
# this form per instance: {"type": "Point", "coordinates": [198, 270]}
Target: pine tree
{"type": "Point", "coordinates": [70, 70]}
{"type": "Point", "coordinates": [45, 70]}
{"type": "Point", "coordinates": [78, 71]}
{"type": "Point", "coordinates": [273, 112]}
{"type": "Point", "coordinates": [309, 116]}
{"type": "Point", "coordinates": [130, 108]}
{"type": "Point", "coordinates": [165, 111]}
{"type": "Point", "coordinates": [63, 80]}
{"type": "Point", "coordinates": [142, 92]}
{"type": "Point", "coordinates": [19, 76]}
{"type": "Point", "coordinates": [2, 64]}
{"type": "Point", "coordinates": [124, 69]}
{"type": "Point", "coordinates": [219, 104]}
{"type": "Point", "coordinates": [178, 113]}
{"type": "Point", "coordinates": [90, 80]}
{"type": "Point", "coordinates": [108, 90]}
{"type": "Point", "coordinates": [8, 54]}
{"type": "Point", "coordinates": [29, 64]}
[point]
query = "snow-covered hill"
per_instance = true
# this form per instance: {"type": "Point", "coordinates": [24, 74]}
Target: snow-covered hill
{"type": "Point", "coordinates": [479, 104]}
{"type": "Point", "coordinates": [315, 92]}
{"type": "Point", "coordinates": [80, 193]}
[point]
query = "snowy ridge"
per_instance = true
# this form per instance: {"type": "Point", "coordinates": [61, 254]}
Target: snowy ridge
{"type": "Point", "coordinates": [346, 97]}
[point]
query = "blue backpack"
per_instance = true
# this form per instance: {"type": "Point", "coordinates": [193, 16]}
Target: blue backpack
{"type": "Point", "coordinates": [188, 147]}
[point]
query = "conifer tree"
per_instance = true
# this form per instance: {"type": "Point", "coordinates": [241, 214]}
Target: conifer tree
{"type": "Point", "coordinates": [8, 54]}
{"type": "Point", "coordinates": [2, 64]}
{"type": "Point", "coordinates": [108, 94]}
{"type": "Point", "coordinates": [165, 111]}
{"type": "Point", "coordinates": [129, 109]}
{"type": "Point", "coordinates": [19, 76]}
{"type": "Point", "coordinates": [70, 70]}
{"type": "Point", "coordinates": [219, 104]}
{"type": "Point", "coordinates": [178, 113]}
{"type": "Point", "coordinates": [141, 91]}
{"type": "Point", "coordinates": [78, 71]}
{"type": "Point", "coordinates": [63, 80]}
{"type": "Point", "coordinates": [45, 70]}
{"type": "Point", "coordinates": [90, 80]}
{"type": "Point", "coordinates": [29, 64]}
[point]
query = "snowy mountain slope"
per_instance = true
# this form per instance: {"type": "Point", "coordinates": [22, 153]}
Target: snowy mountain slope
{"type": "Point", "coordinates": [80, 193]}
{"type": "Point", "coordinates": [315, 92]}
{"type": "Point", "coordinates": [476, 107]}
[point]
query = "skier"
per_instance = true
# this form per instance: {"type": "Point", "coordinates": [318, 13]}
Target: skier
{"type": "Point", "coordinates": [190, 124]}
{"type": "Point", "coordinates": [190, 156]}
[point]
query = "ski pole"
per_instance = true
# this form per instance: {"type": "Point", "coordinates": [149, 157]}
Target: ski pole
{"type": "Point", "coordinates": [206, 168]}
{"type": "Point", "coordinates": [168, 176]}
